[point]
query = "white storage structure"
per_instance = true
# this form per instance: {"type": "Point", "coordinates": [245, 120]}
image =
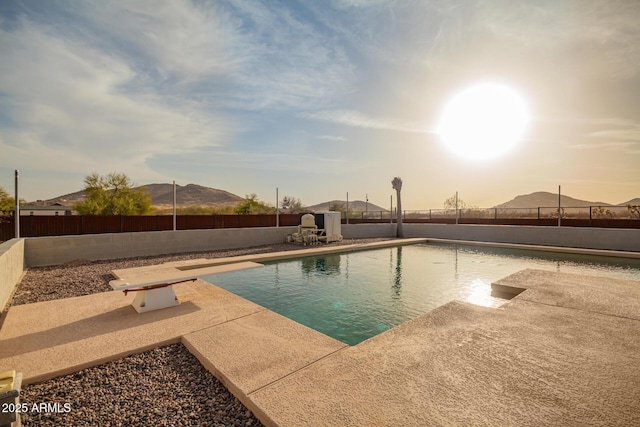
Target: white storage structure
{"type": "Point", "coordinates": [329, 224]}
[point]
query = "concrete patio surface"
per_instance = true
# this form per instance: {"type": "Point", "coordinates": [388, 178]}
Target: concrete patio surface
{"type": "Point", "coordinates": [566, 351]}
{"type": "Point", "coordinates": [522, 364]}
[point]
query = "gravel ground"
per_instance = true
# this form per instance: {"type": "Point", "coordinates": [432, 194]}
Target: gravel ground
{"type": "Point", "coordinates": [132, 391]}
{"type": "Point", "coordinates": [166, 386]}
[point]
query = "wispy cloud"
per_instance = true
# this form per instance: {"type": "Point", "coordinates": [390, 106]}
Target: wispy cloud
{"type": "Point", "coordinates": [357, 119]}
{"type": "Point", "coordinates": [111, 84]}
{"type": "Point", "coordinates": [595, 39]}
{"type": "Point", "coordinates": [612, 135]}
{"type": "Point", "coordinates": [332, 138]}
{"type": "Point", "coordinates": [73, 100]}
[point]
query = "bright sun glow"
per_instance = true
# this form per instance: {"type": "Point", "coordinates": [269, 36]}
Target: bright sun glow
{"type": "Point", "coordinates": [484, 121]}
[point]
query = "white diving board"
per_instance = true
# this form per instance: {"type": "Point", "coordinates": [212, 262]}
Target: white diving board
{"type": "Point", "coordinates": [155, 289]}
{"type": "Point", "coordinates": [152, 295]}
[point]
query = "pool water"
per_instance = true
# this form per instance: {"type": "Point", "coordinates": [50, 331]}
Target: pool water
{"type": "Point", "coordinates": [354, 296]}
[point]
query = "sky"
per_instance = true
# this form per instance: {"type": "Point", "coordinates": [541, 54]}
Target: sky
{"type": "Point", "coordinates": [318, 98]}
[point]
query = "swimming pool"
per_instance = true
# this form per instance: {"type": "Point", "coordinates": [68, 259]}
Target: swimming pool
{"type": "Point", "coordinates": [356, 295]}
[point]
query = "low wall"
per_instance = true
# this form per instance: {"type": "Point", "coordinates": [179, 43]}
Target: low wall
{"type": "Point", "coordinates": [11, 268]}
{"type": "Point", "coordinates": [368, 231]}
{"type": "Point", "coordinates": [615, 239]}
{"type": "Point", "coordinates": [40, 251]}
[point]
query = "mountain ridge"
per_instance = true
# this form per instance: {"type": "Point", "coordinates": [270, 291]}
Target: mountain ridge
{"type": "Point", "coordinates": [162, 194]}
{"type": "Point", "coordinates": [198, 195]}
{"type": "Point", "coordinates": [546, 199]}
{"type": "Point", "coordinates": [354, 205]}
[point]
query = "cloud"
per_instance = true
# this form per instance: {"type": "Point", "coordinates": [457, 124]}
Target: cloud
{"type": "Point", "coordinates": [69, 102]}
{"type": "Point", "coordinates": [616, 135]}
{"type": "Point", "coordinates": [332, 138]}
{"type": "Point", "coordinates": [357, 119]}
{"type": "Point", "coordinates": [591, 39]}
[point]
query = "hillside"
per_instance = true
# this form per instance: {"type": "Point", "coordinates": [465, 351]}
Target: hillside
{"type": "Point", "coordinates": [635, 201]}
{"type": "Point", "coordinates": [162, 195]}
{"type": "Point", "coordinates": [191, 195]}
{"type": "Point", "coordinates": [355, 205]}
{"type": "Point", "coordinates": [546, 199]}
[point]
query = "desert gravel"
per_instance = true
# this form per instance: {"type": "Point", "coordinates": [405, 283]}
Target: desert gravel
{"type": "Point", "coordinates": [166, 386]}
{"type": "Point", "coordinates": [163, 387]}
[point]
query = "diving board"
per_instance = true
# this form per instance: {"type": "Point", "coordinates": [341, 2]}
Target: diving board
{"type": "Point", "coordinates": [154, 284]}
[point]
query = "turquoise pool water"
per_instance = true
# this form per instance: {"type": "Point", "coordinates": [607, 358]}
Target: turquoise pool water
{"type": "Point", "coordinates": [354, 296]}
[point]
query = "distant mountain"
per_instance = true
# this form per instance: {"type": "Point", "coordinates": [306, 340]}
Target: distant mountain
{"type": "Point", "coordinates": [635, 201]}
{"type": "Point", "coordinates": [546, 199]}
{"type": "Point", "coordinates": [191, 195]}
{"type": "Point", "coordinates": [354, 205]}
{"type": "Point", "coordinates": [162, 195]}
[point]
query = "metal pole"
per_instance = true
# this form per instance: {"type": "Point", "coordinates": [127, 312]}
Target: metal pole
{"type": "Point", "coordinates": [559, 209]}
{"type": "Point", "coordinates": [456, 208]}
{"type": "Point", "coordinates": [17, 210]}
{"type": "Point", "coordinates": [347, 213]}
{"type": "Point", "coordinates": [277, 209]}
{"type": "Point", "coordinates": [174, 205]}
{"type": "Point", "coordinates": [391, 210]}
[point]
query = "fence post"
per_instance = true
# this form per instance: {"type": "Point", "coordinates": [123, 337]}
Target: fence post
{"type": "Point", "coordinates": [121, 223]}
{"type": "Point", "coordinates": [16, 212]}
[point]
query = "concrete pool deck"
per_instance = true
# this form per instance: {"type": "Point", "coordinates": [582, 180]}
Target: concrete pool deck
{"type": "Point", "coordinates": [564, 352]}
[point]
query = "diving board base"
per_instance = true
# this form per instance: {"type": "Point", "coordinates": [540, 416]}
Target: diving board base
{"type": "Point", "coordinates": [155, 299]}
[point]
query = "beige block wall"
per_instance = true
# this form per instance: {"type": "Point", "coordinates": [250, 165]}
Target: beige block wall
{"type": "Point", "coordinates": [617, 239]}
{"type": "Point", "coordinates": [11, 268]}
{"type": "Point", "coordinates": [56, 250]}
{"type": "Point", "coordinates": [368, 231]}
{"type": "Point", "coordinates": [40, 251]}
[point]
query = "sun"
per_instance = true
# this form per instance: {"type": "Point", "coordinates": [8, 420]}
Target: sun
{"type": "Point", "coordinates": [484, 121]}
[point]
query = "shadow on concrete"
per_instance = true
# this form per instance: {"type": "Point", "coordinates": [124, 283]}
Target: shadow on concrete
{"type": "Point", "coordinates": [120, 319]}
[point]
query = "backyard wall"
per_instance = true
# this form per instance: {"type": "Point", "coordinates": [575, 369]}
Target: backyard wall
{"type": "Point", "coordinates": [39, 251]}
{"type": "Point", "coordinates": [368, 231]}
{"type": "Point", "coordinates": [617, 239]}
{"type": "Point", "coordinates": [11, 268]}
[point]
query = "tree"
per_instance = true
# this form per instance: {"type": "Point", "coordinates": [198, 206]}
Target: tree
{"type": "Point", "coordinates": [450, 203]}
{"type": "Point", "coordinates": [251, 205]}
{"type": "Point", "coordinates": [600, 212]}
{"type": "Point", "coordinates": [337, 206]}
{"type": "Point", "coordinates": [397, 185]}
{"type": "Point", "coordinates": [6, 202]}
{"type": "Point", "coordinates": [291, 204]}
{"type": "Point", "coordinates": [113, 194]}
